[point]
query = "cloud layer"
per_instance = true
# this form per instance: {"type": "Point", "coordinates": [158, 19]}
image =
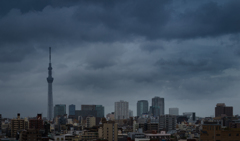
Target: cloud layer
{"type": "Point", "coordinates": [103, 52]}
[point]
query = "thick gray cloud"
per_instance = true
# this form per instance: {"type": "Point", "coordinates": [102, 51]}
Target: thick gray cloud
{"type": "Point", "coordinates": [186, 52]}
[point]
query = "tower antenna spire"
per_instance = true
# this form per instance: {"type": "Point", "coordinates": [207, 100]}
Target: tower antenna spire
{"type": "Point", "coordinates": [49, 54]}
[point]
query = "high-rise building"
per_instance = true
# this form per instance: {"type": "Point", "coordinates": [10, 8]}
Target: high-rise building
{"type": "Point", "coordinates": [159, 102]}
{"type": "Point", "coordinates": [221, 108]}
{"type": "Point", "coordinates": [130, 113]}
{"type": "Point", "coordinates": [91, 108]}
{"type": "Point", "coordinates": [50, 95]}
{"type": "Point", "coordinates": [59, 110]}
{"type": "Point", "coordinates": [142, 107]}
{"type": "Point", "coordinates": [36, 123]}
{"type": "Point", "coordinates": [173, 111]}
{"type": "Point", "coordinates": [71, 109]}
{"type": "Point", "coordinates": [121, 110]}
{"type": "Point", "coordinates": [100, 111]}
{"type": "Point", "coordinates": [154, 111]}
{"type": "Point", "coordinates": [16, 125]}
{"type": "Point", "coordinates": [167, 122]}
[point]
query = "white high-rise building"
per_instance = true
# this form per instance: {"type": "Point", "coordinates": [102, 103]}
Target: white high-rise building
{"type": "Point", "coordinates": [174, 111]}
{"type": "Point", "coordinates": [121, 110]}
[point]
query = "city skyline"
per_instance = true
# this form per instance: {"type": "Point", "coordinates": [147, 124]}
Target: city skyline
{"type": "Point", "coordinates": [186, 52]}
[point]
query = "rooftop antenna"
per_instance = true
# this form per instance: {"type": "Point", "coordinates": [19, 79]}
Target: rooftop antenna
{"type": "Point", "coordinates": [49, 54]}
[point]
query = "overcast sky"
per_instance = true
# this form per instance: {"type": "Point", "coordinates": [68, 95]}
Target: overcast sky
{"type": "Point", "coordinates": [186, 51]}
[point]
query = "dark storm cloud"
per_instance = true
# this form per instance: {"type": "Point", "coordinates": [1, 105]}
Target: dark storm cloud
{"type": "Point", "coordinates": [208, 20]}
{"type": "Point", "coordinates": [110, 50]}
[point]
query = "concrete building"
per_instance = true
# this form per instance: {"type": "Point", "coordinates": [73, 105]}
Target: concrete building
{"type": "Point", "coordinates": [174, 111]}
{"type": "Point", "coordinates": [59, 110]}
{"type": "Point", "coordinates": [221, 108]}
{"type": "Point", "coordinates": [17, 125]}
{"type": "Point", "coordinates": [130, 113]}
{"type": "Point", "coordinates": [90, 121]}
{"type": "Point", "coordinates": [167, 122]}
{"type": "Point", "coordinates": [214, 132]}
{"type": "Point", "coordinates": [32, 135]}
{"type": "Point", "coordinates": [110, 131]}
{"type": "Point", "coordinates": [159, 102]}
{"type": "Point", "coordinates": [142, 107]}
{"type": "Point", "coordinates": [71, 110]}
{"type": "Point", "coordinates": [110, 116]}
{"type": "Point", "coordinates": [98, 108]}
{"type": "Point", "coordinates": [121, 110]}
{"type": "Point", "coordinates": [36, 123]}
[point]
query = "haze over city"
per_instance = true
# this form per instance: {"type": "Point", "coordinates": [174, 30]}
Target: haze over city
{"type": "Point", "coordinates": [186, 52]}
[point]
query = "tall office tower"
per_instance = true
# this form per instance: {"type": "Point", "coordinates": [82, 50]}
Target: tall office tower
{"type": "Point", "coordinates": [71, 110]}
{"type": "Point", "coordinates": [173, 111]}
{"type": "Point", "coordinates": [167, 122]}
{"type": "Point", "coordinates": [221, 108]}
{"type": "Point", "coordinates": [36, 123]}
{"type": "Point", "coordinates": [154, 111]}
{"type": "Point", "coordinates": [121, 110]}
{"type": "Point", "coordinates": [142, 107]}
{"type": "Point", "coordinates": [17, 124]}
{"type": "Point", "coordinates": [159, 102]}
{"type": "Point", "coordinates": [100, 111]}
{"type": "Point", "coordinates": [190, 115]}
{"type": "Point", "coordinates": [50, 95]}
{"type": "Point", "coordinates": [130, 113]}
{"type": "Point", "coordinates": [59, 110]}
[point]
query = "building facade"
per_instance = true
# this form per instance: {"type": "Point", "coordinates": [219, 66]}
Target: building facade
{"type": "Point", "coordinates": [142, 107]}
{"type": "Point", "coordinates": [121, 110]}
{"type": "Point", "coordinates": [59, 110]}
{"type": "Point", "coordinates": [110, 131]}
{"type": "Point", "coordinates": [167, 122]}
{"type": "Point", "coordinates": [154, 111]}
{"type": "Point", "coordinates": [90, 121]}
{"type": "Point", "coordinates": [100, 111]}
{"type": "Point", "coordinates": [174, 111]}
{"type": "Point", "coordinates": [36, 123]}
{"type": "Point", "coordinates": [17, 125]}
{"type": "Point", "coordinates": [221, 108]}
{"type": "Point", "coordinates": [159, 102]}
{"type": "Point", "coordinates": [214, 132]}
{"type": "Point", "coordinates": [71, 110]}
